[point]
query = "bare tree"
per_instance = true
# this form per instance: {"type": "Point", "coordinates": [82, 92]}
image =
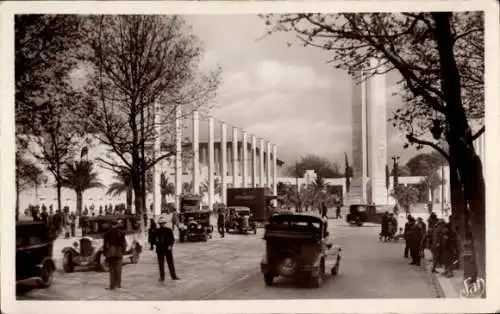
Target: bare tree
{"type": "Point", "coordinates": [142, 65]}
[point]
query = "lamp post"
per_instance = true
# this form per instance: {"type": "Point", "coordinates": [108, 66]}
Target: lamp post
{"type": "Point", "coordinates": [396, 171]}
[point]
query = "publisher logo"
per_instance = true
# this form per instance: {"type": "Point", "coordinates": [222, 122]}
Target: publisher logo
{"type": "Point", "coordinates": [473, 289]}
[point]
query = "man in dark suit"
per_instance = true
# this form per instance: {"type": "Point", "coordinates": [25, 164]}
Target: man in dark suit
{"type": "Point", "coordinates": [164, 243]}
{"type": "Point", "coordinates": [114, 246]}
{"type": "Point", "coordinates": [221, 222]}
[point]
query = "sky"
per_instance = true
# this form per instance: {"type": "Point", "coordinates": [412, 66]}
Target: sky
{"type": "Point", "coordinates": [290, 96]}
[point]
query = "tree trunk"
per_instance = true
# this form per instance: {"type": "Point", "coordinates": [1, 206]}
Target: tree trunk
{"type": "Point", "coordinates": [129, 198]}
{"type": "Point", "coordinates": [460, 140]}
{"type": "Point", "coordinates": [475, 193]}
{"type": "Point", "coordinates": [79, 202]}
{"type": "Point", "coordinates": [18, 192]}
{"type": "Point", "coordinates": [59, 195]}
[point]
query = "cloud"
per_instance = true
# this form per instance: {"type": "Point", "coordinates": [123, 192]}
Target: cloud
{"type": "Point", "coordinates": [272, 75]}
{"type": "Point", "coordinates": [297, 137]}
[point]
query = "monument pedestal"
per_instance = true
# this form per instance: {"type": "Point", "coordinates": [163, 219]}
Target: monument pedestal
{"type": "Point", "coordinates": [357, 193]}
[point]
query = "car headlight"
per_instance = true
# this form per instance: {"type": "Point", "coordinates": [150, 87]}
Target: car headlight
{"type": "Point", "coordinates": [199, 226]}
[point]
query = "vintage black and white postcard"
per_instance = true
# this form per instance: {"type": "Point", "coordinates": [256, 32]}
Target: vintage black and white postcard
{"type": "Point", "coordinates": [254, 157]}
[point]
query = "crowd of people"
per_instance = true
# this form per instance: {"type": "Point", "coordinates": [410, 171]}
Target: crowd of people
{"type": "Point", "coordinates": [437, 236]}
{"type": "Point", "coordinates": [59, 221]}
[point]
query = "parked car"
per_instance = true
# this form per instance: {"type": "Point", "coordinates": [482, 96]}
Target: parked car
{"type": "Point", "coordinates": [361, 213]}
{"type": "Point", "coordinates": [195, 225]}
{"type": "Point", "coordinates": [88, 250]}
{"type": "Point", "coordinates": [34, 248]}
{"type": "Point", "coordinates": [298, 247]}
{"type": "Point", "coordinates": [240, 219]}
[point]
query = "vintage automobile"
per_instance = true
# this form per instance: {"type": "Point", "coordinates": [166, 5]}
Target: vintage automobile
{"type": "Point", "coordinates": [361, 213]}
{"type": "Point", "coordinates": [195, 225]}
{"type": "Point", "coordinates": [34, 245]}
{"type": "Point", "coordinates": [239, 218]}
{"type": "Point", "coordinates": [298, 247]}
{"type": "Point", "coordinates": [88, 250]}
{"type": "Point", "coordinates": [190, 202]}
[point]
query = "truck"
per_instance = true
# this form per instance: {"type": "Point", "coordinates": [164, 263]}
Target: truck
{"type": "Point", "coordinates": [258, 200]}
{"type": "Point", "coordinates": [190, 202]}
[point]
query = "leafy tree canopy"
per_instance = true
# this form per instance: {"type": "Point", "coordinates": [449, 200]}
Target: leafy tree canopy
{"type": "Point", "coordinates": [322, 166]}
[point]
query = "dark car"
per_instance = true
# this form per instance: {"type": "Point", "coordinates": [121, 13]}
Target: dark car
{"type": "Point", "coordinates": [88, 250]}
{"type": "Point", "coordinates": [361, 213]}
{"type": "Point", "coordinates": [34, 245]}
{"type": "Point", "coordinates": [195, 225]}
{"type": "Point", "coordinates": [240, 219]}
{"type": "Point", "coordinates": [298, 247]}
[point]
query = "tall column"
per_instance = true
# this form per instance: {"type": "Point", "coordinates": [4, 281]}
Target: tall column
{"type": "Point", "coordinates": [156, 167]}
{"type": "Point", "coordinates": [244, 173]}
{"type": "Point", "coordinates": [254, 162]}
{"type": "Point", "coordinates": [196, 152]}
{"type": "Point", "coordinates": [268, 164]}
{"type": "Point", "coordinates": [224, 161]}
{"type": "Point", "coordinates": [235, 156]}
{"type": "Point", "coordinates": [178, 156]}
{"type": "Point", "coordinates": [211, 162]}
{"type": "Point", "coordinates": [275, 170]}
{"type": "Point", "coordinates": [261, 157]}
{"type": "Point", "coordinates": [377, 140]}
{"type": "Point", "coordinates": [358, 193]}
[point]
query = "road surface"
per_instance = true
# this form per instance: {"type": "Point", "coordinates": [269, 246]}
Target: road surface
{"type": "Point", "coordinates": [228, 268]}
{"type": "Point", "coordinates": [369, 269]}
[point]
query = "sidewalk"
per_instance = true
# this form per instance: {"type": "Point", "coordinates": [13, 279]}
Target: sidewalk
{"type": "Point", "coordinates": [448, 288]}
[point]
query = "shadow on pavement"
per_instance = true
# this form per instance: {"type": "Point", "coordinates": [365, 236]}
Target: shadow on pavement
{"type": "Point", "coordinates": [286, 283]}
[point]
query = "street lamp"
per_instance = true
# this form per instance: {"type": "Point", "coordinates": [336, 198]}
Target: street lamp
{"type": "Point", "coordinates": [396, 170]}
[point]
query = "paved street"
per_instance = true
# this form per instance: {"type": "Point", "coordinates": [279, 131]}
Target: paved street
{"type": "Point", "coordinates": [369, 269]}
{"type": "Point", "coordinates": [228, 268]}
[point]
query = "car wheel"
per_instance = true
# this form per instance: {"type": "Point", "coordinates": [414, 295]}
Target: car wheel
{"type": "Point", "coordinates": [335, 269]}
{"type": "Point", "coordinates": [268, 279]}
{"type": "Point", "coordinates": [288, 266]}
{"type": "Point", "coordinates": [318, 280]}
{"type": "Point", "coordinates": [68, 265]}
{"type": "Point", "coordinates": [47, 275]}
{"type": "Point", "coordinates": [103, 264]}
{"type": "Point", "coordinates": [255, 231]}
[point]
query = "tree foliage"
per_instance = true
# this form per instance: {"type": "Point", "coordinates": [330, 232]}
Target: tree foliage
{"type": "Point", "coordinates": [322, 167]}
{"type": "Point", "coordinates": [403, 42]}
{"type": "Point", "coordinates": [46, 47]}
{"type": "Point", "coordinates": [80, 176]}
{"type": "Point", "coordinates": [405, 196]}
{"type": "Point", "coordinates": [424, 164]}
{"type": "Point", "coordinates": [28, 173]}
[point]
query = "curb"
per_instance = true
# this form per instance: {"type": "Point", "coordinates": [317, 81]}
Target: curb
{"type": "Point", "coordinates": [442, 286]}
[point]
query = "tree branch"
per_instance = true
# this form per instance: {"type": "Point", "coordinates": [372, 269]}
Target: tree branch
{"type": "Point", "coordinates": [415, 140]}
{"type": "Point", "coordinates": [478, 133]}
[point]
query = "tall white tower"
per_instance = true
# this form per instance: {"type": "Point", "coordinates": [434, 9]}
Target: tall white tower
{"type": "Point", "coordinates": [369, 141]}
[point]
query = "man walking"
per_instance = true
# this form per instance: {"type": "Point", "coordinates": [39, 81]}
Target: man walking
{"type": "Point", "coordinates": [221, 222]}
{"type": "Point", "coordinates": [152, 233]}
{"type": "Point", "coordinates": [114, 246]}
{"type": "Point", "coordinates": [414, 242]}
{"type": "Point", "coordinates": [406, 232]}
{"type": "Point", "coordinates": [164, 243]}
